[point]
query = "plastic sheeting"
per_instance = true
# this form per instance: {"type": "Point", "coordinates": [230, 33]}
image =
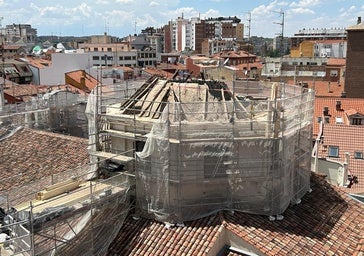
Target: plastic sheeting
{"type": "Point", "coordinates": [250, 156]}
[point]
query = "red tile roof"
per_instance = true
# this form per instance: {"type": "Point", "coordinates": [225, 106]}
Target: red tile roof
{"type": "Point", "coordinates": [23, 92]}
{"type": "Point", "coordinates": [76, 77]}
{"type": "Point", "coordinates": [37, 62]}
{"type": "Point", "coordinates": [34, 154]}
{"type": "Point", "coordinates": [327, 222]}
{"type": "Point", "coordinates": [349, 138]}
{"type": "Point", "coordinates": [235, 54]}
{"type": "Point", "coordinates": [322, 88]}
{"type": "Point", "coordinates": [346, 104]}
{"type": "Point", "coordinates": [158, 72]}
{"type": "Point", "coordinates": [336, 62]}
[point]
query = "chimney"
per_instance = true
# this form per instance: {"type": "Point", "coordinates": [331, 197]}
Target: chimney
{"type": "Point", "coordinates": [326, 111]}
{"type": "Point", "coordinates": [338, 105]}
{"type": "Point", "coordinates": [359, 20]}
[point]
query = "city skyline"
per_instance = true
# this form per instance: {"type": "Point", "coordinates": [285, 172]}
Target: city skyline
{"type": "Point", "coordinates": [124, 17]}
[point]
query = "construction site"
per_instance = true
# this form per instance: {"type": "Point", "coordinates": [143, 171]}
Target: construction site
{"type": "Point", "coordinates": [172, 150]}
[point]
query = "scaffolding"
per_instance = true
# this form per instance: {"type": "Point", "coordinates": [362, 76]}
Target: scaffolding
{"type": "Point", "coordinates": [65, 214]}
{"type": "Point", "coordinates": [199, 147]}
{"type": "Point", "coordinates": [77, 212]}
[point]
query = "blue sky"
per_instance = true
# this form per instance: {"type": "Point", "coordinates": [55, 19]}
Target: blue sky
{"type": "Point", "coordinates": [124, 17]}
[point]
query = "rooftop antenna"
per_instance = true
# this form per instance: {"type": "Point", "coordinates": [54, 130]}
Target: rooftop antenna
{"type": "Point", "coordinates": [281, 14]}
{"type": "Point", "coordinates": [249, 25]}
{"type": "Point", "coordinates": [135, 25]}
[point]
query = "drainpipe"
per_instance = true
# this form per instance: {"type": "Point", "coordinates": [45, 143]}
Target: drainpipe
{"type": "Point", "coordinates": [316, 155]}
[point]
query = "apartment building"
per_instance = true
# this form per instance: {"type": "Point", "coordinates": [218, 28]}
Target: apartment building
{"type": "Point", "coordinates": [183, 34]}
{"type": "Point", "coordinates": [313, 34]}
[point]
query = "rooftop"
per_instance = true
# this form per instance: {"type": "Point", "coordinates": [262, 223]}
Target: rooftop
{"type": "Point", "coordinates": [28, 155]}
{"type": "Point", "coordinates": [348, 139]}
{"type": "Point", "coordinates": [347, 104]}
{"type": "Point", "coordinates": [327, 222]}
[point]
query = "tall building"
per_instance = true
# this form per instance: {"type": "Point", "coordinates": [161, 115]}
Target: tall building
{"type": "Point", "coordinates": [354, 80]}
{"type": "Point", "coordinates": [188, 34]}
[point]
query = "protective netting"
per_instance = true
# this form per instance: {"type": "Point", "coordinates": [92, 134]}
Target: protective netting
{"type": "Point", "coordinates": [83, 221]}
{"type": "Point", "coordinates": [246, 155]}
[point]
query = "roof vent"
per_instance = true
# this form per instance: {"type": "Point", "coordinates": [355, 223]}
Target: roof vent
{"type": "Point", "coordinates": [359, 20]}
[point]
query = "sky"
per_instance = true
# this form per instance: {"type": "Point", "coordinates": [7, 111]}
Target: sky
{"type": "Point", "coordinates": [124, 17]}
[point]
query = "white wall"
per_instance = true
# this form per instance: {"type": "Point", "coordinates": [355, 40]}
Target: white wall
{"type": "Point", "coordinates": [61, 64]}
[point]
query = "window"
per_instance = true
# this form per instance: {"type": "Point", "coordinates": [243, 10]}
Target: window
{"type": "Point", "coordinates": [339, 120]}
{"type": "Point", "coordinates": [358, 155]}
{"type": "Point", "coordinates": [96, 49]}
{"type": "Point", "coordinates": [356, 121]}
{"type": "Point", "coordinates": [109, 49]}
{"type": "Point", "coordinates": [319, 119]}
{"type": "Point", "coordinates": [95, 57]}
{"type": "Point", "coordinates": [333, 151]}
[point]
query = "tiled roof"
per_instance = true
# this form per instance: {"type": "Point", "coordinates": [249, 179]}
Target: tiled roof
{"type": "Point", "coordinates": [349, 138]}
{"type": "Point", "coordinates": [336, 61]}
{"type": "Point", "coordinates": [23, 92]}
{"type": "Point", "coordinates": [327, 222]}
{"type": "Point", "coordinates": [158, 72]}
{"type": "Point", "coordinates": [34, 154]}
{"type": "Point", "coordinates": [322, 88]}
{"type": "Point", "coordinates": [37, 62]}
{"type": "Point", "coordinates": [235, 54]}
{"type": "Point", "coordinates": [90, 81]}
{"type": "Point", "coordinates": [346, 104]}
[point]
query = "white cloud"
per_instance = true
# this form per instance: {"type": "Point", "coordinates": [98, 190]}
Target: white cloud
{"type": "Point", "coordinates": [104, 2]}
{"type": "Point", "coordinates": [302, 11]}
{"type": "Point", "coordinates": [305, 3]}
{"type": "Point", "coordinates": [153, 4]}
{"type": "Point", "coordinates": [124, 1]}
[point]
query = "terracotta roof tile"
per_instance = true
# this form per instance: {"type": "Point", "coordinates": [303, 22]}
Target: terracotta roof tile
{"type": "Point", "coordinates": [336, 62]}
{"type": "Point", "coordinates": [349, 138]}
{"type": "Point", "coordinates": [327, 222]}
{"type": "Point", "coordinates": [76, 76]}
{"type": "Point", "coordinates": [346, 104]}
{"type": "Point", "coordinates": [34, 154]}
{"type": "Point", "coordinates": [325, 88]}
{"type": "Point", "coordinates": [23, 92]}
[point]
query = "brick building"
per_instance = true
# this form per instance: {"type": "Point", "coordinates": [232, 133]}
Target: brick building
{"type": "Point", "coordinates": [354, 79]}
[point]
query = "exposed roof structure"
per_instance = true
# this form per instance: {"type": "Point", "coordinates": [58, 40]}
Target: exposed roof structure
{"type": "Point", "coordinates": [28, 155]}
{"type": "Point", "coordinates": [327, 222]}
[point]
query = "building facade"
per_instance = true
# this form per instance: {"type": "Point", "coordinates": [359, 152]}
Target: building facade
{"type": "Point", "coordinates": [354, 64]}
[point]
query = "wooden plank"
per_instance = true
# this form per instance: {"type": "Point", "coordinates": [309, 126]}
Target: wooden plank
{"type": "Point", "coordinates": [112, 156]}
{"type": "Point", "coordinates": [126, 135]}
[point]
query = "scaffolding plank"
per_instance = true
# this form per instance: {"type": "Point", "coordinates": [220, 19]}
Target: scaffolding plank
{"type": "Point", "coordinates": [126, 135]}
{"type": "Point", "coordinates": [108, 155]}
